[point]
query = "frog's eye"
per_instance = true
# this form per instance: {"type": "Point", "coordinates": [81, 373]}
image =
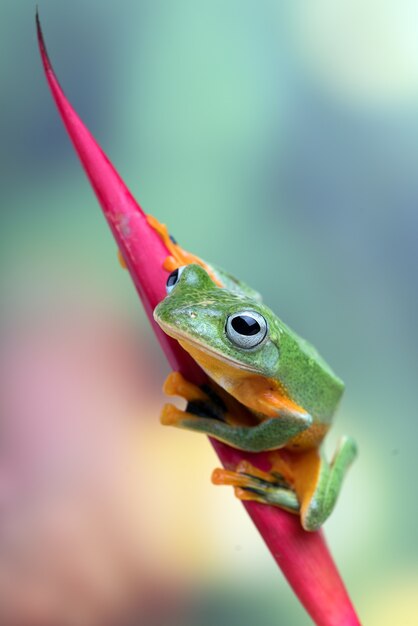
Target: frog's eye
{"type": "Point", "coordinates": [246, 329]}
{"type": "Point", "coordinates": [174, 278]}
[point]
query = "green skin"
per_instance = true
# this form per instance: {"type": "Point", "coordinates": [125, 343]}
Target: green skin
{"type": "Point", "coordinates": [197, 310]}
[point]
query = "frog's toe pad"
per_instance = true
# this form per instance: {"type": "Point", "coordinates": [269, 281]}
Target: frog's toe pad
{"type": "Point", "coordinates": [246, 476]}
{"type": "Point", "coordinates": [172, 384]}
{"type": "Point", "coordinates": [245, 467]}
{"type": "Point", "coordinates": [225, 477]}
{"type": "Point", "coordinates": [176, 385]}
{"type": "Point", "coordinates": [171, 415]}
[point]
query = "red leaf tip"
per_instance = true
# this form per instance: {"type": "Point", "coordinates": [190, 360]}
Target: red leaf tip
{"type": "Point", "coordinates": [41, 42]}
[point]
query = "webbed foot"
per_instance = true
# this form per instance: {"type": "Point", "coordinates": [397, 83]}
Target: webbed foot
{"type": "Point", "coordinates": [202, 402]}
{"type": "Point", "coordinates": [303, 482]}
{"type": "Point", "coordinates": [250, 483]}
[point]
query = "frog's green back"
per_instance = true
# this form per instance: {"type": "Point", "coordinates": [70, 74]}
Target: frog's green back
{"type": "Point", "coordinates": [307, 378]}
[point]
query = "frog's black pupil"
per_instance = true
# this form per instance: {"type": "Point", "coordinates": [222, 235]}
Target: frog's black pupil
{"type": "Point", "coordinates": [245, 325]}
{"type": "Point", "coordinates": [172, 279]}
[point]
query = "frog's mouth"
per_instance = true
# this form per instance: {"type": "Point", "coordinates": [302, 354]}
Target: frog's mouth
{"type": "Point", "coordinates": [199, 350]}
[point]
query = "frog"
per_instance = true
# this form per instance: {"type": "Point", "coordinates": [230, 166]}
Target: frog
{"type": "Point", "coordinates": [270, 392]}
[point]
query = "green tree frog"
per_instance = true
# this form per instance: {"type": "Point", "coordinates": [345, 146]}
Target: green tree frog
{"type": "Point", "coordinates": [271, 391]}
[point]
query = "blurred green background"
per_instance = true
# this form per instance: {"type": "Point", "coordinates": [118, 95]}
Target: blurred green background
{"type": "Point", "coordinates": [280, 141]}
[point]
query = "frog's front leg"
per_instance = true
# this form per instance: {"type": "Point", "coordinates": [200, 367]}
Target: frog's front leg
{"type": "Point", "coordinates": [217, 414]}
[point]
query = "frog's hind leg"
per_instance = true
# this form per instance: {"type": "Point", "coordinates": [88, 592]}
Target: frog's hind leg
{"type": "Point", "coordinates": [250, 483]}
{"type": "Point", "coordinates": [318, 483]}
{"type": "Point", "coordinates": [302, 482]}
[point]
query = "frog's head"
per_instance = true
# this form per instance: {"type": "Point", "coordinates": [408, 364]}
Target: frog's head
{"type": "Point", "coordinates": [216, 324]}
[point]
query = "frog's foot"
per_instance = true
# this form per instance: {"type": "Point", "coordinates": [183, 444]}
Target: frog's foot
{"type": "Point", "coordinates": [318, 502]}
{"type": "Point", "coordinates": [204, 406]}
{"type": "Point", "coordinates": [177, 385]}
{"type": "Point", "coordinates": [251, 483]}
{"type": "Point", "coordinates": [201, 401]}
{"type": "Point", "coordinates": [173, 416]}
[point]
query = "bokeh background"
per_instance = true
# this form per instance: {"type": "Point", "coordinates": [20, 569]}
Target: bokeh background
{"type": "Point", "coordinates": [278, 139]}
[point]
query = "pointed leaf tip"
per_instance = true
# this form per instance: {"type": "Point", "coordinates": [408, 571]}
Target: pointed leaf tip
{"type": "Point", "coordinates": [142, 248]}
{"type": "Point", "coordinates": [41, 42]}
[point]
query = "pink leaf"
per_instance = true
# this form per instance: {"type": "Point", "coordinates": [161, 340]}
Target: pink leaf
{"type": "Point", "coordinates": [303, 557]}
